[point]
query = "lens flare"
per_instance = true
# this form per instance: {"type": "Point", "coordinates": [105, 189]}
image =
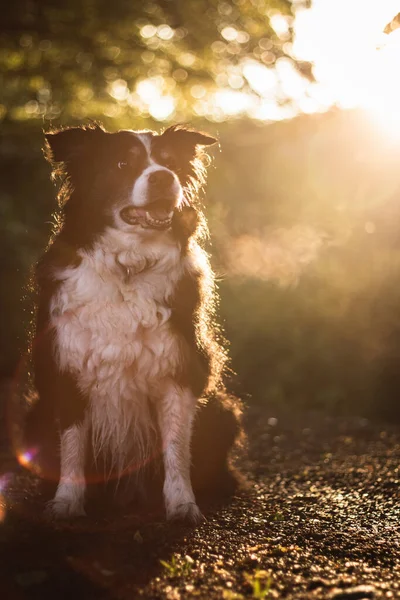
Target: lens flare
{"type": "Point", "coordinates": [4, 481]}
{"type": "Point", "coordinates": [27, 459]}
{"type": "Point", "coordinates": [2, 508]}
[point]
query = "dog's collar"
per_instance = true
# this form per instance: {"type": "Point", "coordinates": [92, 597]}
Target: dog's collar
{"type": "Point", "coordinates": [128, 271]}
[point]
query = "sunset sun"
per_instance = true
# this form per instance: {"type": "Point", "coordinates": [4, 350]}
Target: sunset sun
{"type": "Point", "coordinates": [354, 61]}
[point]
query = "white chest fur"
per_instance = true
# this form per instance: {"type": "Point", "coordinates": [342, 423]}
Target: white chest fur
{"type": "Point", "coordinates": [112, 332]}
{"type": "Point", "coordinates": [111, 316]}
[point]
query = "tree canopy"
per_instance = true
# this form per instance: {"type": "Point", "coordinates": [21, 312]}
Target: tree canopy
{"type": "Point", "coordinates": [152, 60]}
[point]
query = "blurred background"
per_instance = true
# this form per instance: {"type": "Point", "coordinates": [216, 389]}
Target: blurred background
{"type": "Point", "coordinates": [303, 197]}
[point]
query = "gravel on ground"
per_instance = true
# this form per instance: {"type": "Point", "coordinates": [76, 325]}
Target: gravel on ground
{"type": "Point", "coordinates": [318, 519]}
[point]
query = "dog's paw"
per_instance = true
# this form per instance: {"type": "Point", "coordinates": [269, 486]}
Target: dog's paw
{"type": "Point", "coordinates": [61, 508]}
{"type": "Point", "coordinates": [187, 512]}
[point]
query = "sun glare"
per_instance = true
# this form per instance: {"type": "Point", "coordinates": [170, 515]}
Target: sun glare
{"type": "Point", "coordinates": [354, 64]}
{"type": "Point", "coordinates": [384, 102]}
{"type": "Point", "coordinates": [353, 60]}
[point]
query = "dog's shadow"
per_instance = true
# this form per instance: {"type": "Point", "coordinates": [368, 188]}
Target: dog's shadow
{"type": "Point", "coordinates": [96, 556]}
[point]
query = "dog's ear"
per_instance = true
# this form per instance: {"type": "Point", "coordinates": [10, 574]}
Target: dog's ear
{"type": "Point", "coordinates": [65, 145]}
{"type": "Point", "coordinates": [189, 138]}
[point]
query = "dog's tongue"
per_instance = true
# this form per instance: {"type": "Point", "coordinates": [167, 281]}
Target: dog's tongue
{"type": "Point", "coordinates": [161, 215]}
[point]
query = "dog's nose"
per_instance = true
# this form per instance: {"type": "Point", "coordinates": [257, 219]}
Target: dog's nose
{"type": "Point", "coordinates": [161, 180]}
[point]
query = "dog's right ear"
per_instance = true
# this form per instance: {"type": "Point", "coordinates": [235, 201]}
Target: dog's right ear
{"type": "Point", "coordinates": [65, 145]}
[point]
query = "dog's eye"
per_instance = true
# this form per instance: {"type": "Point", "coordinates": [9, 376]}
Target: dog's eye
{"type": "Point", "coordinates": [122, 164]}
{"type": "Point", "coordinates": [167, 159]}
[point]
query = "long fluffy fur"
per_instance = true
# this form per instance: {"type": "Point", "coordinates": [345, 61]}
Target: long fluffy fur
{"type": "Point", "coordinates": [122, 323]}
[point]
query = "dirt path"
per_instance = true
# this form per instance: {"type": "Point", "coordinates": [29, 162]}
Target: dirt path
{"type": "Point", "coordinates": [321, 519]}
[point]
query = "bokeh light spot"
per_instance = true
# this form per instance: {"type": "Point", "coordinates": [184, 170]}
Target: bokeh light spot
{"type": "Point", "coordinates": [148, 90]}
{"type": "Point", "coordinates": [198, 91]}
{"type": "Point", "coordinates": [148, 31]}
{"type": "Point", "coordinates": [162, 108]}
{"type": "Point", "coordinates": [260, 78]}
{"type": "Point", "coordinates": [280, 24]}
{"type": "Point", "coordinates": [187, 59]}
{"type": "Point", "coordinates": [165, 32]}
{"type": "Point", "coordinates": [119, 89]}
{"type": "Point", "coordinates": [229, 34]}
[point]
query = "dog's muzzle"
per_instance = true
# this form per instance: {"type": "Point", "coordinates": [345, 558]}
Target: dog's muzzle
{"type": "Point", "coordinates": [161, 201]}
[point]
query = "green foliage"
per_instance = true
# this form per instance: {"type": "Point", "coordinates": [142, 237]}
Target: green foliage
{"type": "Point", "coordinates": [178, 566]}
{"type": "Point", "coordinates": [99, 59]}
{"type": "Point", "coordinates": [260, 583]}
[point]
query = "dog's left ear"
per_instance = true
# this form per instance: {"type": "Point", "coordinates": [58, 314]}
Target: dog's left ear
{"type": "Point", "coordinates": [189, 138]}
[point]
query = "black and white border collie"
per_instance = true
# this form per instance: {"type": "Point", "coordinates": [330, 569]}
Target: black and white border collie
{"type": "Point", "coordinates": [125, 343]}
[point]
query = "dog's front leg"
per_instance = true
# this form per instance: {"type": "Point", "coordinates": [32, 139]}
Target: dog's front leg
{"type": "Point", "coordinates": [70, 495]}
{"type": "Point", "coordinates": [175, 415]}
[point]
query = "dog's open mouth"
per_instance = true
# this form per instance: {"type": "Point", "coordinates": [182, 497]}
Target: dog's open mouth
{"type": "Point", "coordinates": [151, 219]}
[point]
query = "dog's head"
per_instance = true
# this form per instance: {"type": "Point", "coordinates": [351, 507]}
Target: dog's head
{"type": "Point", "coordinates": [133, 181]}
